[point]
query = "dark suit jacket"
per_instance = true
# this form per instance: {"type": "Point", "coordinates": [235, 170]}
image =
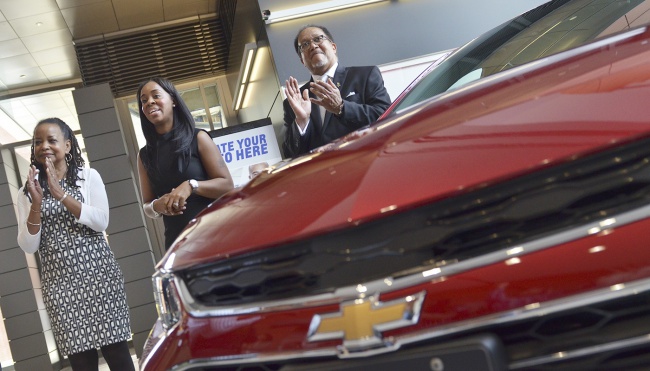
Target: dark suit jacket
{"type": "Point", "coordinates": [366, 98]}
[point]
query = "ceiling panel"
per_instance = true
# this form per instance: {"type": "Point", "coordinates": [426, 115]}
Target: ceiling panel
{"type": "Point", "coordinates": [52, 100]}
{"type": "Point", "coordinates": [19, 114]}
{"type": "Point", "coordinates": [55, 55]}
{"type": "Point", "coordinates": [17, 63]}
{"type": "Point", "coordinates": [14, 107]}
{"type": "Point", "coordinates": [28, 111]}
{"type": "Point", "coordinates": [10, 130]}
{"type": "Point", "coordinates": [38, 24]}
{"type": "Point", "coordinates": [132, 14]}
{"type": "Point", "coordinates": [12, 48]}
{"type": "Point", "coordinates": [64, 70]}
{"type": "Point", "coordinates": [24, 77]}
{"type": "Point", "coordinates": [13, 9]}
{"type": "Point", "coordinates": [48, 40]}
{"type": "Point", "coordinates": [60, 113]}
{"type": "Point", "coordinates": [52, 104]}
{"type": "Point", "coordinates": [64, 4]}
{"type": "Point", "coordinates": [42, 25]}
{"type": "Point", "coordinates": [6, 32]}
{"type": "Point", "coordinates": [69, 100]}
{"type": "Point", "coordinates": [91, 20]}
{"type": "Point", "coordinates": [43, 108]}
{"type": "Point", "coordinates": [34, 56]}
{"type": "Point", "coordinates": [177, 9]}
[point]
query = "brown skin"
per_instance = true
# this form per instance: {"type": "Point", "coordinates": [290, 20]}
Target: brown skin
{"type": "Point", "coordinates": [318, 59]}
{"type": "Point", "coordinates": [158, 106]}
{"type": "Point", "coordinates": [50, 149]}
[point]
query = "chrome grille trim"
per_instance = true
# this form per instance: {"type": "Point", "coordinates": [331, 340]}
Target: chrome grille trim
{"type": "Point", "coordinates": [572, 354]}
{"type": "Point", "coordinates": [576, 301]}
{"type": "Point", "coordinates": [389, 284]}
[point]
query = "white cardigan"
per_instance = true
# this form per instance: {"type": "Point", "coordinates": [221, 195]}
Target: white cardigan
{"type": "Point", "coordinates": [94, 209]}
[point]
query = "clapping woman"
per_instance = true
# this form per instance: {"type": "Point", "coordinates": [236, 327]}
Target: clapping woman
{"type": "Point", "coordinates": [62, 214]}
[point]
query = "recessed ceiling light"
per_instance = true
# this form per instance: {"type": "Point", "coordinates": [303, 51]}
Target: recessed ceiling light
{"type": "Point", "coordinates": [39, 24]}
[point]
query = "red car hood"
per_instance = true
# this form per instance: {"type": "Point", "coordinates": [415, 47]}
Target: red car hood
{"type": "Point", "coordinates": [500, 127]}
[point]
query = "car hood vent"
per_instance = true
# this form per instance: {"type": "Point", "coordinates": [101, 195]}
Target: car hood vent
{"type": "Point", "coordinates": [480, 222]}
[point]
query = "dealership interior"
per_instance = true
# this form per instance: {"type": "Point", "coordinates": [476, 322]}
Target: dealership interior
{"type": "Point", "coordinates": [82, 60]}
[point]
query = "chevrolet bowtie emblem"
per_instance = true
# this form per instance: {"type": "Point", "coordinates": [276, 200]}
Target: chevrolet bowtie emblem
{"type": "Point", "coordinates": [360, 322]}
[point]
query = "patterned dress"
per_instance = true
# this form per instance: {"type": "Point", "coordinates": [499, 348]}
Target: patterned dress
{"type": "Point", "coordinates": [83, 287]}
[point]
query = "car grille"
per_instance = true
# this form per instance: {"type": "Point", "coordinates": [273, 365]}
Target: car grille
{"type": "Point", "coordinates": [582, 328]}
{"type": "Point", "coordinates": [539, 338]}
{"type": "Point", "coordinates": [458, 228]}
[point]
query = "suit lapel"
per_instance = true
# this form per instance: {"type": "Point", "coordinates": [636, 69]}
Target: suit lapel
{"type": "Point", "coordinates": [339, 78]}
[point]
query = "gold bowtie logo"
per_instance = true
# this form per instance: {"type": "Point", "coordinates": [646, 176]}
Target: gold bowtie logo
{"type": "Point", "coordinates": [360, 322]}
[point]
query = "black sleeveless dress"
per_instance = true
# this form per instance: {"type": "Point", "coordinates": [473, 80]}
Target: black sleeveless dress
{"type": "Point", "coordinates": [170, 171]}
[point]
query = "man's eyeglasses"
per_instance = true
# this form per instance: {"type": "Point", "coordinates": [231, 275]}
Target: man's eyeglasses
{"type": "Point", "coordinates": [316, 40]}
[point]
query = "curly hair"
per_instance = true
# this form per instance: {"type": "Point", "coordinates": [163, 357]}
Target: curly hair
{"type": "Point", "coordinates": [75, 163]}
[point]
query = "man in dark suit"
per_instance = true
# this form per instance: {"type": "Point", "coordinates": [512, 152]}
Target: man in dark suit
{"type": "Point", "coordinates": [336, 101]}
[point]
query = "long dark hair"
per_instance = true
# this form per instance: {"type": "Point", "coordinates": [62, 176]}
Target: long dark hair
{"type": "Point", "coordinates": [74, 162]}
{"type": "Point", "coordinates": [182, 131]}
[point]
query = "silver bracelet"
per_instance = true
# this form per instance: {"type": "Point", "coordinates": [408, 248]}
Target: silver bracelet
{"type": "Point", "coordinates": [64, 196]}
{"type": "Point", "coordinates": [155, 213]}
{"type": "Point", "coordinates": [150, 211]}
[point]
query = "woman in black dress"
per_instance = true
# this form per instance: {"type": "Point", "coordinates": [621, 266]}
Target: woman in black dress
{"type": "Point", "coordinates": [180, 168]}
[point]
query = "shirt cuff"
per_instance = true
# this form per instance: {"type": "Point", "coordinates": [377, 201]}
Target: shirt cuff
{"type": "Point", "coordinates": [302, 131]}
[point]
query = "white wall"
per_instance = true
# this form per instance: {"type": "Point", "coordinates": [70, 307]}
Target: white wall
{"type": "Point", "coordinates": [390, 31]}
{"type": "Point", "coordinates": [398, 75]}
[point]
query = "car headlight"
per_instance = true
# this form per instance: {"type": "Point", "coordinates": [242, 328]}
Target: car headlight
{"type": "Point", "coordinates": [167, 300]}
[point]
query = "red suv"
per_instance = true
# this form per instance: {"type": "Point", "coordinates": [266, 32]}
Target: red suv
{"type": "Point", "coordinates": [499, 226]}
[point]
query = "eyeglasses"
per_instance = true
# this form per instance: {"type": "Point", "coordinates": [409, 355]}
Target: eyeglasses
{"type": "Point", "coordinates": [316, 40]}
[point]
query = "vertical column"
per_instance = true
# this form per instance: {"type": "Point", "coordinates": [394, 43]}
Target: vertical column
{"type": "Point", "coordinates": [126, 231]}
{"type": "Point", "coordinates": [28, 328]}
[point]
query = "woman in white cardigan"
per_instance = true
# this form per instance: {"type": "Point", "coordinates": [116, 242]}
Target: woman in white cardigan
{"type": "Point", "coordinates": [62, 214]}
